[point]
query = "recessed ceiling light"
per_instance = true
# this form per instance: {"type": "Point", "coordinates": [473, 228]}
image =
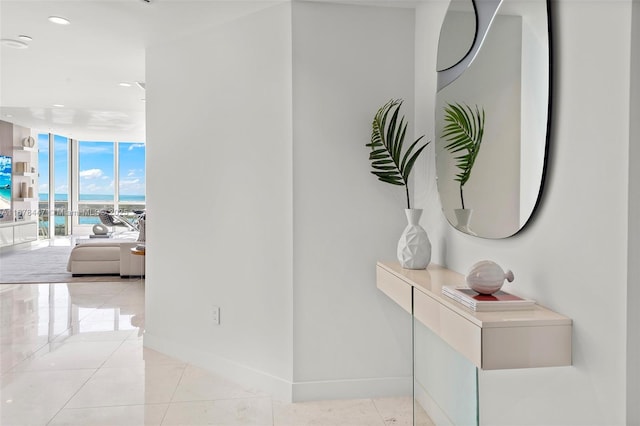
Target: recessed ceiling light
{"type": "Point", "coordinates": [16, 44]}
{"type": "Point", "coordinates": [59, 20]}
{"type": "Point", "coordinates": [125, 84]}
{"type": "Point", "coordinates": [58, 105]}
{"type": "Point", "coordinates": [24, 37]}
{"type": "Point", "coordinates": [8, 115]}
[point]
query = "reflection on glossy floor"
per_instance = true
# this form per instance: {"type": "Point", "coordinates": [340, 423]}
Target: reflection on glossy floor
{"type": "Point", "coordinates": [72, 354]}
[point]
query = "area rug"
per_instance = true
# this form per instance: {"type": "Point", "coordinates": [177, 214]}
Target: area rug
{"type": "Point", "coordinates": [44, 265]}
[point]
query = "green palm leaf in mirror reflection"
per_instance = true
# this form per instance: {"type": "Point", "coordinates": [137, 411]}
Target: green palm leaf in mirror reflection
{"type": "Point", "coordinates": [463, 130]}
{"type": "Point", "coordinates": [389, 163]}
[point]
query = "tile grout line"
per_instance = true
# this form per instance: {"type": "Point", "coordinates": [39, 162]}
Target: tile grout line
{"type": "Point", "coordinates": [173, 394]}
{"type": "Point", "coordinates": [384, 422]}
{"type": "Point", "coordinates": [89, 378]}
{"type": "Point", "coordinates": [61, 333]}
{"type": "Point", "coordinates": [72, 396]}
{"type": "Point", "coordinates": [273, 414]}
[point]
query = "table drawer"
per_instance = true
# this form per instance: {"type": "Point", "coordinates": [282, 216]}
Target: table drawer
{"type": "Point", "coordinates": [398, 290]}
{"type": "Point", "coordinates": [458, 332]}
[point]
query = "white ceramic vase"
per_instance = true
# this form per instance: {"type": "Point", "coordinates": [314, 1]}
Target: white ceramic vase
{"type": "Point", "coordinates": [463, 216]}
{"type": "Point", "coordinates": [414, 247]}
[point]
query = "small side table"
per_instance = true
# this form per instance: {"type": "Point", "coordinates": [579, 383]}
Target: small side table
{"type": "Point", "coordinates": [138, 250]}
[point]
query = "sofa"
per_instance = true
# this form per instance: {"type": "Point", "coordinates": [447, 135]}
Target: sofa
{"type": "Point", "coordinates": [107, 256]}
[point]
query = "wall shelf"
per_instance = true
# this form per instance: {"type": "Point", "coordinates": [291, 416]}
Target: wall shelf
{"type": "Point", "coordinates": [536, 337]}
{"type": "Point", "coordinates": [20, 225]}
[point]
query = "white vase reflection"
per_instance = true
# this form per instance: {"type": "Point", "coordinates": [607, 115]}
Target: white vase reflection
{"type": "Point", "coordinates": [463, 218]}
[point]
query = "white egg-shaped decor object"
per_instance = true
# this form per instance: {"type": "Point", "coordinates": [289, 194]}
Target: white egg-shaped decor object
{"type": "Point", "coordinates": [100, 229]}
{"type": "Point", "coordinates": [486, 277]}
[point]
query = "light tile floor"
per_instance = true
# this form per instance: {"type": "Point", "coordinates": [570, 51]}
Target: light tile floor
{"type": "Point", "coordinates": [72, 354]}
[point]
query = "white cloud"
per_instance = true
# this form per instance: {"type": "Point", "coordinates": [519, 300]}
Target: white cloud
{"type": "Point", "coordinates": [91, 174]}
{"type": "Point", "coordinates": [132, 187]}
{"type": "Point", "coordinates": [136, 173]}
{"type": "Point", "coordinates": [96, 187]}
{"type": "Point", "coordinates": [102, 148]}
{"type": "Point", "coordinates": [135, 145]}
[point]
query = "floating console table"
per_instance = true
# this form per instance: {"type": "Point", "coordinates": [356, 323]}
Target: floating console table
{"type": "Point", "coordinates": [535, 337]}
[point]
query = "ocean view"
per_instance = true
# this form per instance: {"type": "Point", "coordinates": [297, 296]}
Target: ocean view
{"type": "Point", "coordinates": [88, 198]}
{"type": "Point", "coordinates": [89, 215]}
{"type": "Point", "coordinates": [96, 197]}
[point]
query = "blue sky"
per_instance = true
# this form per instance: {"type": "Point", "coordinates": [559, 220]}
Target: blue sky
{"type": "Point", "coordinates": [96, 167]}
{"type": "Point", "coordinates": [132, 168]}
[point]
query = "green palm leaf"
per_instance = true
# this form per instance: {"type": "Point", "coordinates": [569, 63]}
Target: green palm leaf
{"type": "Point", "coordinates": [463, 131]}
{"type": "Point", "coordinates": [388, 161]}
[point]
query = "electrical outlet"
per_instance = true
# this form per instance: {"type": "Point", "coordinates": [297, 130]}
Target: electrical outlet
{"type": "Point", "coordinates": [215, 314]}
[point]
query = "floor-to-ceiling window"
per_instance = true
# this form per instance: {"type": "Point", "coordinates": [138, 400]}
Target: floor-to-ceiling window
{"type": "Point", "coordinates": [61, 194]}
{"type": "Point", "coordinates": [43, 185]}
{"type": "Point", "coordinates": [111, 176]}
{"type": "Point", "coordinates": [79, 178]}
{"type": "Point", "coordinates": [96, 180]}
{"type": "Point", "coordinates": [131, 176]}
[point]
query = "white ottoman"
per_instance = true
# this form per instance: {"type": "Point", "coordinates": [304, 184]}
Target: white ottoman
{"type": "Point", "coordinates": [105, 257]}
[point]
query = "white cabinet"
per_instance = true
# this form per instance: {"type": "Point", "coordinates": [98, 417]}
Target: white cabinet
{"type": "Point", "coordinates": [25, 232]}
{"type": "Point", "coordinates": [18, 233]}
{"type": "Point", "coordinates": [6, 235]}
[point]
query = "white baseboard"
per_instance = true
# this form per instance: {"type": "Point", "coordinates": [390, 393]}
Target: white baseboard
{"type": "Point", "coordinates": [352, 389]}
{"type": "Point", "coordinates": [433, 410]}
{"type": "Point", "coordinates": [252, 378]}
{"type": "Point", "coordinates": [281, 389]}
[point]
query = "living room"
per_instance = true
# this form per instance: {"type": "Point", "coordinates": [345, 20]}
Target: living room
{"type": "Point", "coordinates": [63, 195]}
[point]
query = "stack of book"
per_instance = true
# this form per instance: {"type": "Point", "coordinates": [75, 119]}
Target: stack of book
{"type": "Point", "coordinates": [498, 301]}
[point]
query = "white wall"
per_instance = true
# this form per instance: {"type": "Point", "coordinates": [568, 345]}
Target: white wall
{"type": "Point", "coordinates": [573, 255]}
{"type": "Point", "coordinates": [219, 194]}
{"type": "Point", "coordinates": [633, 276]}
{"type": "Point", "coordinates": [272, 214]}
{"type": "Point", "coordinates": [286, 251]}
{"type": "Point", "coordinates": [349, 339]}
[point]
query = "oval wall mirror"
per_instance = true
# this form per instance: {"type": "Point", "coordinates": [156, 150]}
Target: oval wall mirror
{"type": "Point", "coordinates": [492, 113]}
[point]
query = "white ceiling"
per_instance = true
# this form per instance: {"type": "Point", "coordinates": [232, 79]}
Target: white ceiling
{"type": "Point", "coordinates": [81, 65]}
